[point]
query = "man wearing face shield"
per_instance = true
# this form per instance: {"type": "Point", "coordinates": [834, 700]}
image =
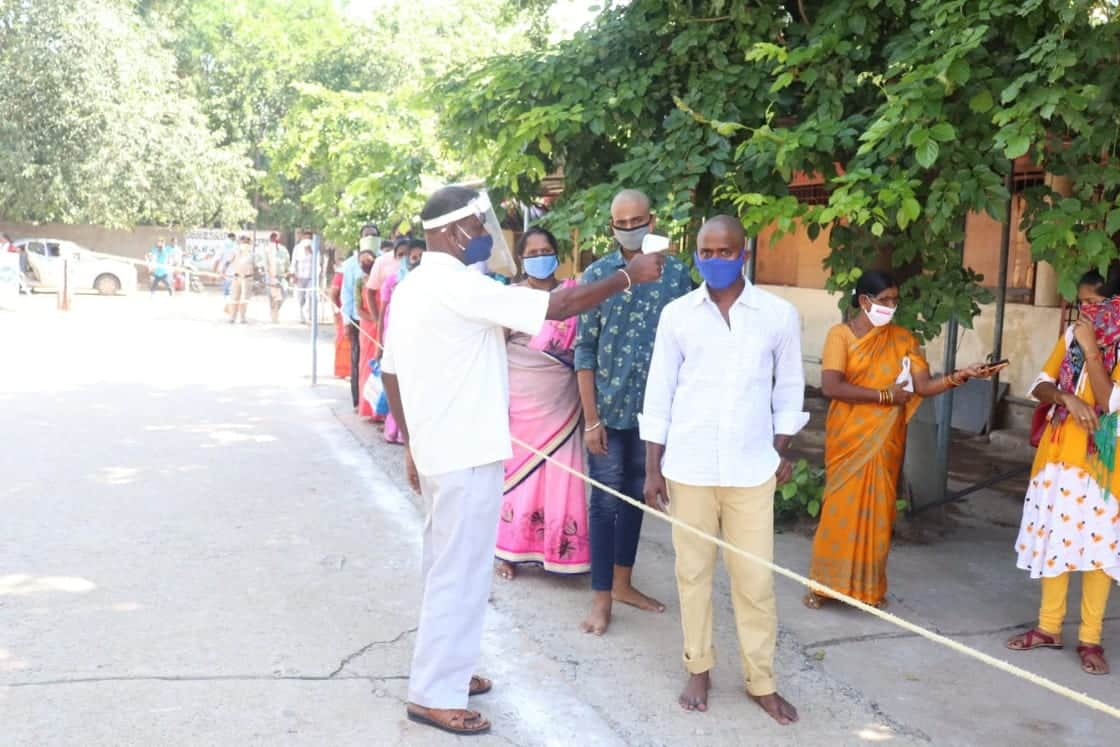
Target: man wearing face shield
{"type": "Point", "coordinates": [446, 377]}
{"type": "Point", "coordinates": [612, 356]}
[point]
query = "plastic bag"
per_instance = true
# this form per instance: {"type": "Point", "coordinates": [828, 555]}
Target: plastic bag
{"type": "Point", "coordinates": [373, 390]}
{"type": "Point", "coordinates": [905, 379]}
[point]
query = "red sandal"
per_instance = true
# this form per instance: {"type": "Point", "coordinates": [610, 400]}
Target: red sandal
{"type": "Point", "coordinates": [1085, 652]}
{"type": "Point", "coordinates": [1032, 639]}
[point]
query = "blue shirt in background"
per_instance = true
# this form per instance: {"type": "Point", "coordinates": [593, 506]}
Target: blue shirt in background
{"type": "Point", "coordinates": [351, 270]}
{"type": "Point", "coordinates": [161, 258]}
{"type": "Point", "coordinates": [615, 339]}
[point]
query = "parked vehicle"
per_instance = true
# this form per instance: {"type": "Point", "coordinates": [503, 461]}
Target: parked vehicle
{"type": "Point", "coordinates": [89, 273]}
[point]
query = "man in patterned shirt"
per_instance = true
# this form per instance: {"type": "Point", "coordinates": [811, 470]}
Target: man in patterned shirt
{"type": "Point", "coordinates": [612, 356]}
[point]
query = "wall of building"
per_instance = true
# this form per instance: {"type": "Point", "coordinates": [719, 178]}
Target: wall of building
{"type": "Point", "coordinates": [133, 243]}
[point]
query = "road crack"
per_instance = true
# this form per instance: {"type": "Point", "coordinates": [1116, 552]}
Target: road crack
{"type": "Point", "coordinates": [346, 660]}
{"type": "Point", "coordinates": [207, 678]}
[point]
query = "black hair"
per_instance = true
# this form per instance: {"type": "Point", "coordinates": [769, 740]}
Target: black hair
{"type": "Point", "coordinates": [370, 227]}
{"type": "Point", "coordinates": [231, 236]}
{"type": "Point", "coordinates": [446, 200]}
{"type": "Point", "coordinates": [402, 241]}
{"type": "Point", "coordinates": [417, 244]}
{"type": "Point", "coordinates": [872, 283]}
{"type": "Point", "coordinates": [536, 231]}
{"type": "Point", "coordinates": [1104, 286]}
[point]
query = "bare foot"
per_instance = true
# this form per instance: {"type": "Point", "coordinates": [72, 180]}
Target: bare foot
{"type": "Point", "coordinates": [631, 596]}
{"type": "Point", "coordinates": [778, 707]}
{"type": "Point", "coordinates": [599, 618]}
{"type": "Point", "coordinates": [505, 570]}
{"type": "Point", "coordinates": [694, 697]}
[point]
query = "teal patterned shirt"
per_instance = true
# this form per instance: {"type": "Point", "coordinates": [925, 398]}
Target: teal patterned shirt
{"type": "Point", "coordinates": [615, 339]}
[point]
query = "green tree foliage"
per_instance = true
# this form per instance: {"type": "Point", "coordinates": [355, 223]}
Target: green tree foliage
{"type": "Point", "coordinates": [95, 126]}
{"type": "Point", "coordinates": [910, 110]}
{"type": "Point", "coordinates": [925, 104]}
{"type": "Point", "coordinates": [355, 150]}
{"type": "Point", "coordinates": [602, 107]}
{"type": "Point", "coordinates": [359, 155]}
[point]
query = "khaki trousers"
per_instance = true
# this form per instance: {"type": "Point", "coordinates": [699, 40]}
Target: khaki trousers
{"type": "Point", "coordinates": [239, 296]}
{"type": "Point", "coordinates": [745, 518]}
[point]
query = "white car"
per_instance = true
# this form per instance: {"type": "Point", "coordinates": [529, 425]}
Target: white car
{"type": "Point", "coordinates": [89, 273]}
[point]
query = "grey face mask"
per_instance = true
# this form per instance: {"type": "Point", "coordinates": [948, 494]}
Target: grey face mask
{"type": "Point", "coordinates": [631, 238]}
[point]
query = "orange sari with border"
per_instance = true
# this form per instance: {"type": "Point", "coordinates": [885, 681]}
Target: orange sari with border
{"type": "Point", "coordinates": [864, 446]}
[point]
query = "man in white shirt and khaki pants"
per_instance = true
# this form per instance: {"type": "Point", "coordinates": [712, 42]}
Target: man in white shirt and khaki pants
{"type": "Point", "coordinates": [725, 394]}
{"type": "Point", "coordinates": [446, 377]}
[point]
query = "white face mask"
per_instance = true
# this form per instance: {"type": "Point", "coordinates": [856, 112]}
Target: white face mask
{"type": "Point", "coordinates": [880, 315]}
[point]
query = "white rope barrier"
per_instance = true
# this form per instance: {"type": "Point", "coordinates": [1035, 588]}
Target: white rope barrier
{"type": "Point", "coordinates": [1015, 671]}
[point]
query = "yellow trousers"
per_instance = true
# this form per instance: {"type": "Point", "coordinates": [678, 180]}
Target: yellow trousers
{"type": "Point", "coordinates": [745, 518]}
{"type": "Point", "coordinates": [1095, 587]}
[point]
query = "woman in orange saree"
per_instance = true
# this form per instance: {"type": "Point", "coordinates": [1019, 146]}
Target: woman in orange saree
{"type": "Point", "coordinates": [865, 437]}
{"type": "Point", "coordinates": [341, 336]}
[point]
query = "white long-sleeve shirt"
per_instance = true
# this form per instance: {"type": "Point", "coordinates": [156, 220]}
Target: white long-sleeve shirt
{"type": "Point", "coordinates": [717, 394]}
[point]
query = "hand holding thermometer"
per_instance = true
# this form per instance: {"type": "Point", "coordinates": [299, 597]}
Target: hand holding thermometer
{"type": "Point", "coordinates": [653, 243]}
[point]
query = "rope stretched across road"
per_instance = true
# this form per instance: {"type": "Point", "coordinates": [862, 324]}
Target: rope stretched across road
{"type": "Point", "coordinates": [1015, 671]}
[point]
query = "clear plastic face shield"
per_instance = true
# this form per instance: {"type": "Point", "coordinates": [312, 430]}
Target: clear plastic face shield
{"type": "Point", "coordinates": [475, 229]}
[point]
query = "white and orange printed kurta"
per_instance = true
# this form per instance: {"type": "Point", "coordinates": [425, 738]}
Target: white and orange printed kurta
{"type": "Point", "coordinates": [1071, 522]}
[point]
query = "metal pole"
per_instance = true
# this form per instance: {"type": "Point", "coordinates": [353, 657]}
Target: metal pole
{"type": "Point", "coordinates": [1001, 291]}
{"type": "Point", "coordinates": [945, 412]}
{"type": "Point", "coordinates": [752, 247]}
{"type": "Point", "coordinates": [314, 310]}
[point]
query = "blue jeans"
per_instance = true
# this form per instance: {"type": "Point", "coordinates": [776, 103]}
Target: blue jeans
{"type": "Point", "coordinates": [616, 525]}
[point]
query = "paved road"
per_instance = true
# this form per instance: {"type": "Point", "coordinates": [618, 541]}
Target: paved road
{"type": "Point", "coordinates": [198, 548]}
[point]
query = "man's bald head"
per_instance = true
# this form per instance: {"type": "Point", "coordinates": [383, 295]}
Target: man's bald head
{"type": "Point", "coordinates": [631, 200]}
{"type": "Point", "coordinates": [725, 230]}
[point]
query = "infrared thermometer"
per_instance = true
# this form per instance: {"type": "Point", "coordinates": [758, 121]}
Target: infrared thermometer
{"type": "Point", "coordinates": [653, 243]}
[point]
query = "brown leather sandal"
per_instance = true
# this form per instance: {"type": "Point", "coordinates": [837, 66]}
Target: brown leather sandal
{"type": "Point", "coordinates": [460, 722]}
{"type": "Point", "coordinates": [480, 685]}
{"type": "Point", "coordinates": [1086, 666]}
{"type": "Point", "coordinates": [1032, 639]}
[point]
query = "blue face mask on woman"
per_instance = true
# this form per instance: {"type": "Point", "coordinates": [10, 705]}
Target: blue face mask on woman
{"type": "Point", "coordinates": [541, 267]}
{"type": "Point", "coordinates": [721, 273]}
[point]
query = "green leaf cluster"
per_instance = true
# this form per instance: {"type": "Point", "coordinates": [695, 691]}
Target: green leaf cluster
{"type": "Point", "coordinates": [95, 125]}
{"type": "Point", "coordinates": [802, 495]}
{"type": "Point", "coordinates": [911, 112]}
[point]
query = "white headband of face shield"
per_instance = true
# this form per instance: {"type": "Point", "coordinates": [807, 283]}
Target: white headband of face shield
{"type": "Point", "coordinates": [477, 206]}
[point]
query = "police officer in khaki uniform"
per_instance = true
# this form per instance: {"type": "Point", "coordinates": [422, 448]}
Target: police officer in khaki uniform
{"type": "Point", "coordinates": [243, 268]}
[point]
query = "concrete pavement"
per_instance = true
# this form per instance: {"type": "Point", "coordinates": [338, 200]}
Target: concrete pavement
{"type": "Point", "coordinates": [197, 548]}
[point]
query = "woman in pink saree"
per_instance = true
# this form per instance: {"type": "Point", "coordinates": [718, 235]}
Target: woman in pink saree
{"type": "Point", "coordinates": [544, 512]}
{"type": "Point", "coordinates": [408, 263]}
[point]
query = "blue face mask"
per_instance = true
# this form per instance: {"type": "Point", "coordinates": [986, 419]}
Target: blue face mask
{"type": "Point", "coordinates": [478, 249]}
{"type": "Point", "coordinates": [720, 273]}
{"type": "Point", "coordinates": [542, 267]}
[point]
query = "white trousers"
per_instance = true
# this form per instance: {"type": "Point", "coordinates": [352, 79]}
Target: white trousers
{"type": "Point", "coordinates": [460, 533]}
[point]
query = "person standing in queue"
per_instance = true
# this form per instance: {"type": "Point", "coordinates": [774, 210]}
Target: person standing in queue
{"type": "Point", "coordinates": [612, 354]}
{"type": "Point", "coordinates": [446, 377]}
{"type": "Point", "coordinates": [354, 272]}
{"type": "Point", "coordinates": [725, 396]}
